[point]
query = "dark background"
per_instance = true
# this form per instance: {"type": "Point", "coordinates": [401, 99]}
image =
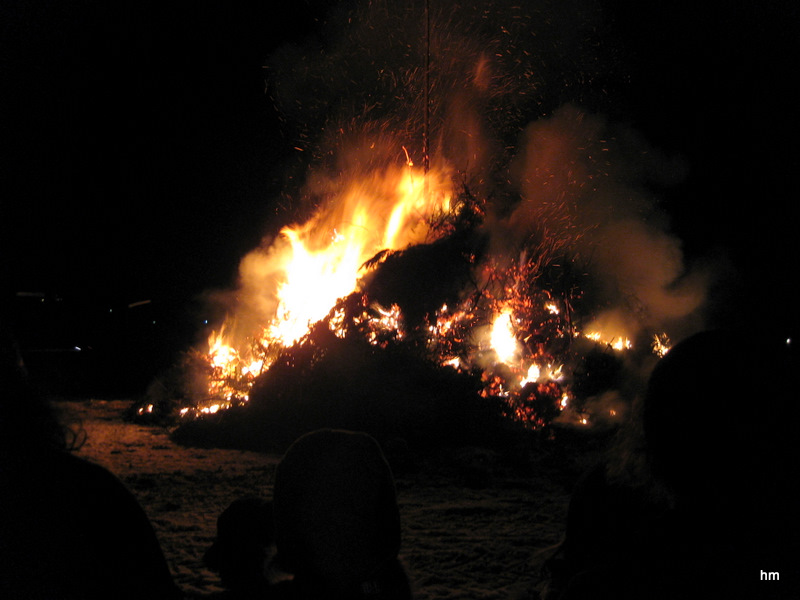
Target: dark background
{"type": "Point", "coordinates": [142, 159]}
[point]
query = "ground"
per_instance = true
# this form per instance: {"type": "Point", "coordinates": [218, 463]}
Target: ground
{"type": "Point", "coordinates": [472, 527]}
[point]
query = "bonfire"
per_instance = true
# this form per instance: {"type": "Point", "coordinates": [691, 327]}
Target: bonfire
{"type": "Point", "coordinates": [535, 296]}
{"type": "Point", "coordinates": [368, 316]}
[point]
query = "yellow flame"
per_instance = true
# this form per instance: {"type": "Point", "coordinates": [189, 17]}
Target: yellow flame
{"type": "Point", "coordinates": [389, 210]}
{"type": "Point", "coordinates": [387, 320]}
{"type": "Point", "coordinates": [312, 265]}
{"type": "Point", "coordinates": [661, 344]}
{"type": "Point", "coordinates": [502, 338]}
{"type": "Point", "coordinates": [534, 372]}
{"type": "Point", "coordinates": [618, 343]}
{"type": "Point", "coordinates": [537, 373]}
{"type": "Point", "coordinates": [336, 323]}
{"type": "Point", "coordinates": [314, 280]}
{"type": "Point", "coordinates": [220, 354]}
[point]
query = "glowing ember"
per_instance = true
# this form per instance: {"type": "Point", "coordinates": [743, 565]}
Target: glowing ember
{"type": "Point", "coordinates": [384, 321]}
{"type": "Point", "coordinates": [452, 362]}
{"type": "Point", "coordinates": [661, 344]}
{"type": "Point", "coordinates": [618, 343]}
{"type": "Point", "coordinates": [336, 323]}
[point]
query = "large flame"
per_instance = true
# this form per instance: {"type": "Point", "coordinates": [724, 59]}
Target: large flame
{"type": "Point", "coordinates": [515, 313]}
{"type": "Point", "coordinates": [389, 210]}
{"type": "Point", "coordinates": [300, 278]}
{"type": "Point", "coordinates": [310, 266]}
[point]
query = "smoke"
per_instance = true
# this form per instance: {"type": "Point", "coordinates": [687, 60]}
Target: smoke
{"type": "Point", "coordinates": [491, 67]}
{"type": "Point", "coordinates": [589, 185]}
{"type": "Point", "coordinates": [644, 269]}
{"type": "Point", "coordinates": [514, 113]}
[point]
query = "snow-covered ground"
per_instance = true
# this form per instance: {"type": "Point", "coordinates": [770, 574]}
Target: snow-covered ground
{"type": "Point", "coordinates": [472, 528]}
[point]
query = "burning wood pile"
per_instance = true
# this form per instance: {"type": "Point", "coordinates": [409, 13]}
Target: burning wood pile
{"type": "Point", "coordinates": [524, 271]}
{"type": "Point", "coordinates": [433, 334]}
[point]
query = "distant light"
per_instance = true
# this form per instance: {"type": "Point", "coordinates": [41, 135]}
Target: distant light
{"type": "Point", "coordinates": [205, 321]}
{"type": "Point", "coordinates": [788, 341]}
{"type": "Point", "coordinates": [76, 348]}
{"type": "Point", "coordinates": [154, 322]}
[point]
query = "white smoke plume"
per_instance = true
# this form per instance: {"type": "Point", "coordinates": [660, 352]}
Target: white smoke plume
{"type": "Point", "coordinates": [585, 182]}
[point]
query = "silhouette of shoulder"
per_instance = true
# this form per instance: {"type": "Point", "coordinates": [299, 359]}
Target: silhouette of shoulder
{"type": "Point", "coordinates": [71, 529]}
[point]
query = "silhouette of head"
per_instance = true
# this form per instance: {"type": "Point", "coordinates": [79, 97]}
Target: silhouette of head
{"type": "Point", "coordinates": [28, 422]}
{"type": "Point", "coordinates": [245, 532]}
{"type": "Point", "coordinates": [336, 512]}
{"type": "Point", "coordinates": [711, 407]}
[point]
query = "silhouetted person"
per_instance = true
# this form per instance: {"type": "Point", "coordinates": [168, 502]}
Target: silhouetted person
{"type": "Point", "coordinates": [243, 547]}
{"type": "Point", "coordinates": [713, 506]}
{"type": "Point", "coordinates": [337, 523]}
{"type": "Point", "coordinates": [719, 423]}
{"type": "Point", "coordinates": [69, 529]}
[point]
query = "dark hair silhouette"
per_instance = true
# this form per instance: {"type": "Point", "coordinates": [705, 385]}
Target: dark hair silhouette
{"type": "Point", "coordinates": [242, 548]}
{"type": "Point", "coordinates": [69, 529]}
{"type": "Point", "coordinates": [716, 413]}
{"type": "Point", "coordinates": [27, 421]}
{"type": "Point", "coordinates": [717, 504]}
{"type": "Point", "coordinates": [696, 413]}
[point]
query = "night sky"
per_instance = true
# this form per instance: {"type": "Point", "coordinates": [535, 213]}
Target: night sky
{"type": "Point", "coordinates": [142, 157]}
{"type": "Point", "coordinates": [142, 149]}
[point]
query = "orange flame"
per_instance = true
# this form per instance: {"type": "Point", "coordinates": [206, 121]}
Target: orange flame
{"type": "Point", "coordinates": [323, 264]}
{"type": "Point", "coordinates": [302, 275]}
